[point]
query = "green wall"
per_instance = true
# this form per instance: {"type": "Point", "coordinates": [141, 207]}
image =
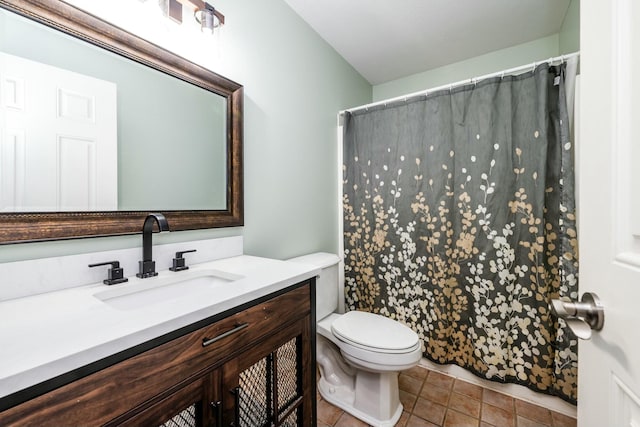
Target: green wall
{"type": "Point", "coordinates": [566, 41]}
{"type": "Point", "coordinates": [570, 31]}
{"type": "Point", "coordinates": [294, 86]}
{"type": "Point", "coordinates": [503, 59]}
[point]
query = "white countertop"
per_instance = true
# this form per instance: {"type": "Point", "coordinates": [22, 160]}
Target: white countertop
{"type": "Point", "coordinates": [43, 336]}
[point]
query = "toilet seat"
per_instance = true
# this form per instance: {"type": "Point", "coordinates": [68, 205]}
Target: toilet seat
{"type": "Point", "coordinates": [372, 332]}
{"type": "Point", "coordinates": [356, 341]}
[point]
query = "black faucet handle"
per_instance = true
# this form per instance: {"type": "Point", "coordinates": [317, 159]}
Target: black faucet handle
{"type": "Point", "coordinates": [179, 254]}
{"type": "Point", "coordinates": [115, 274]}
{"type": "Point", "coordinates": [179, 262]}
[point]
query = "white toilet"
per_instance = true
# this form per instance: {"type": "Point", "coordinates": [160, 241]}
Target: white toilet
{"type": "Point", "coordinates": [359, 354]}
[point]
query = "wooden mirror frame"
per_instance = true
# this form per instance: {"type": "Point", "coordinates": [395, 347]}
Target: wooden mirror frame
{"type": "Point", "coordinates": [31, 227]}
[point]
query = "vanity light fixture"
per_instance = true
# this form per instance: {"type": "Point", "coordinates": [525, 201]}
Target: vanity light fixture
{"type": "Point", "coordinates": [207, 16]}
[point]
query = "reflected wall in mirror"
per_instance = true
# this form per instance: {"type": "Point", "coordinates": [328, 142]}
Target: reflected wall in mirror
{"type": "Point", "coordinates": [126, 126]}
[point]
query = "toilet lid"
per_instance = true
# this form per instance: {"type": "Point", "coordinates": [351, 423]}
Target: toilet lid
{"type": "Point", "coordinates": [373, 331]}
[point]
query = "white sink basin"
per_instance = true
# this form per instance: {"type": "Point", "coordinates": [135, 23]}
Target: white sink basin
{"type": "Point", "coordinates": [144, 292]}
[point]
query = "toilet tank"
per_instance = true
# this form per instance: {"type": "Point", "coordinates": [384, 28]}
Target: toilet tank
{"type": "Point", "coordinates": [327, 281]}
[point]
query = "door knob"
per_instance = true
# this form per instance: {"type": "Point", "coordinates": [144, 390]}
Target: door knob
{"type": "Point", "coordinates": [581, 317]}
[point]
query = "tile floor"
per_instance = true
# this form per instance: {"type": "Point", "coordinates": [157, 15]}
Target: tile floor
{"type": "Point", "coordinates": [432, 399]}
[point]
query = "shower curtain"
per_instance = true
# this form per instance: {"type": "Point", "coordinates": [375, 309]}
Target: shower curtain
{"type": "Point", "coordinates": [459, 221]}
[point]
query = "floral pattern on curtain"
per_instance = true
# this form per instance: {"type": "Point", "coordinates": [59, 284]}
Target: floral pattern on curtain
{"type": "Point", "coordinates": [459, 221]}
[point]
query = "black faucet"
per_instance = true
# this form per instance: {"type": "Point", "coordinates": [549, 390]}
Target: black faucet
{"type": "Point", "coordinates": [148, 265]}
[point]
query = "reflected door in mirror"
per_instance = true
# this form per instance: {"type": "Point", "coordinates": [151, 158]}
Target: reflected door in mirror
{"type": "Point", "coordinates": [58, 136]}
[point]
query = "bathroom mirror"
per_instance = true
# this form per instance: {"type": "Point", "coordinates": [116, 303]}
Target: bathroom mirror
{"type": "Point", "coordinates": [176, 131]}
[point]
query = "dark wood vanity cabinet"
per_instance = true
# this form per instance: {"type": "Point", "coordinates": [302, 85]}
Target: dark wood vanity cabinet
{"type": "Point", "coordinates": [187, 406]}
{"type": "Point", "coordinates": [251, 368]}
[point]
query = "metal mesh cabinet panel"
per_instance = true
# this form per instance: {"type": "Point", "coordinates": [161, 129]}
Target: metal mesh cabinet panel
{"type": "Point", "coordinates": [291, 420]}
{"type": "Point", "coordinates": [270, 391]}
{"type": "Point", "coordinates": [288, 373]}
{"type": "Point", "coordinates": [254, 393]}
{"type": "Point", "coordinates": [186, 418]}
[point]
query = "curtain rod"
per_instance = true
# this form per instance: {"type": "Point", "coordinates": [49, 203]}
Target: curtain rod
{"type": "Point", "coordinates": [532, 66]}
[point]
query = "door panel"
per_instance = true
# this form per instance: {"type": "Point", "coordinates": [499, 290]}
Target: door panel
{"type": "Point", "coordinates": [609, 210]}
{"type": "Point", "coordinates": [77, 173]}
{"type": "Point", "coordinates": [12, 168]}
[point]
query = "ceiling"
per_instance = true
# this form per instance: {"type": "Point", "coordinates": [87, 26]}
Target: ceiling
{"type": "Point", "coordinates": [388, 39]}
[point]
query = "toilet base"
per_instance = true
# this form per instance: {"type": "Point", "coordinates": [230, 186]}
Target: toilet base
{"type": "Point", "coordinates": [373, 397]}
{"type": "Point", "coordinates": [343, 402]}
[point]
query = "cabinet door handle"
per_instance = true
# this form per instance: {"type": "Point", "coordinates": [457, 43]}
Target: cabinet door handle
{"type": "Point", "coordinates": [238, 328]}
{"type": "Point", "coordinates": [236, 393]}
{"type": "Point", "coordinates": [218, 408]}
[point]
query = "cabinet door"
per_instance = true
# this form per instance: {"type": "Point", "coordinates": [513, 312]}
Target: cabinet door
{"type": "Point", "coordinates": [269, 385]}
{"type": "Point", "coordinates": [196, 404]}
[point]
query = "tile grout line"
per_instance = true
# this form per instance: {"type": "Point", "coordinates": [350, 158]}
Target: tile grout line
{"type": "Point", "coordinates": [481, 406]}
{"type": "Point", "coordinates": [515, 415]}
{"type": "Point", "coordinates": [446, 409]}
{"type": "Point", "coordinates": [424, 381]}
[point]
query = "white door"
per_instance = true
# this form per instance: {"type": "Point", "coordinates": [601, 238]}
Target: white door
{"type": "Point", "coordinates": [609, 210]}
{"type": "Point", "coordinates": [58, 139]}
